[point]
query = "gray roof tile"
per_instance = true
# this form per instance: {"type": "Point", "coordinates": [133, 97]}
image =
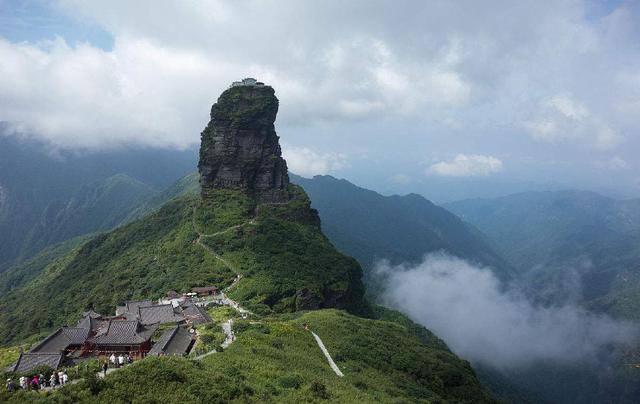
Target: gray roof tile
{"type": "Point", "coordinates": [175, 341]}
{"type": "Point", "coordinates": [122, 332]}
{"type": "Point", "coordinates": [159, 314]}
{"type": "Point", "coordinates": [195, 315]}
{"type": "Point", "coordinates": [30, 360]}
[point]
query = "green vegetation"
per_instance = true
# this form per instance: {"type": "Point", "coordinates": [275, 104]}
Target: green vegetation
{"type": "Point", "coordinates": [24, 272]}
{"type": "Point", "coordinates": [141, 260]}
{"type": "Point", "coordinates": [210, 336]}
{"type": "Point", "coordinates": [9, 355]}
{"type": "Point", "coordinates": [402, 229]}
{"type": "Point", "coordinates": [278, 361]}
{"type": "Point", "coordinates": [287, 265]}
{"type": "Point", "coordinates": [223, 209]}
{"type": "Point", "coordinates": [286, 262]}
{"type": "Point", "coordinates": [222, 313]}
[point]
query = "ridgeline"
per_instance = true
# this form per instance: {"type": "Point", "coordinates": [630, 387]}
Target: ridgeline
{"type": "Point", "coordinates": [253, 226]}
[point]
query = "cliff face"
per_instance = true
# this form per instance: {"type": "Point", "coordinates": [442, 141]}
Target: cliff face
{"type": "Point", "coordinates": [240, 148]}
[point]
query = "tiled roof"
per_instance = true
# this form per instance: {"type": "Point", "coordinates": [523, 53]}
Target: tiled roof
{"type": "Point", "coordinates": [28, 361]}
{"type": "Point", "coordinates": [194, 314]}
{"type": "Point", "coordinates": [159, 314]}
{"type": "Point", "coordinates": [77, 336]}
{"type": "Point", "coordinates": [92, 314]}
{"type": "Point", "coordinates": [175, 341]}
{"type": "Point", "coordinates": [123, 332]}
{"type": "Point", "coordinates": [89, 323]}
{"type": "Point", "coordinates": [132, 307]}
{"type": "Point", "coordinates": [59, 340]}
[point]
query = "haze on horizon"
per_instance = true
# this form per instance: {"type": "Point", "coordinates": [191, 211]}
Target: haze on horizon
{"type": "Point", "coordinates": [396, 96]}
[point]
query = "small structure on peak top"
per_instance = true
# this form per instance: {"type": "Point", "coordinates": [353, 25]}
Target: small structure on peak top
{"type": "Point", "coordinates": [249, 81]}
{"type": "Point", "coordinates": [240, 148]}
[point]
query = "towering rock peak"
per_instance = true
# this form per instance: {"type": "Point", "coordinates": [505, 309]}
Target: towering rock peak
{"type": "Point", "coordinates": [239, 147]}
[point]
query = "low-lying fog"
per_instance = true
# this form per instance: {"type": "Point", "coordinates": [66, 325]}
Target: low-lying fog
{"type": "Point", "coordinates": [480, 321]}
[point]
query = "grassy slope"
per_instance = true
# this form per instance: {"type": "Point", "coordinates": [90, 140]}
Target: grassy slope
{"type": "Point", "coordinates": [286, 262]}
{"type": "Point", "coordinates": [140, 260]}
{"type": "Point", "coordinates": [276, 360]}
{"type": "Point", "coordinates": [402, 229]}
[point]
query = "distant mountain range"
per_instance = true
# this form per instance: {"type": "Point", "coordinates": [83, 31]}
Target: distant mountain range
{"type": "Point", "coordinates": [48, 197]}
{"type": "Point", "coordinates": [402, 229]}
{"type": "Point", "coordinates": [567, 245]}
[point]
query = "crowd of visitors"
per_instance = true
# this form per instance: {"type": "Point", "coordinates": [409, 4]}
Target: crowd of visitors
{"type": "Point", "coordinates": [119, 361]}
{"type": "Point", "coordinates": [38, 381]}
{"type": "Point", "coordinates": [59, 379]}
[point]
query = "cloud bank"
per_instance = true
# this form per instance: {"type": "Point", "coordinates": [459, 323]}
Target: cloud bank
{"type": "Point", "coordinates": [540, 86]}
{"type": "Point", "coordinates": [466, 306]}
{"type": "Point", "coordinates": [307, 163]}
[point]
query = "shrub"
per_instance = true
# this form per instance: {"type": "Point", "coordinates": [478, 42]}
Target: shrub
{"type": "Point", "coordinates": [291, 381]}
{"type": "Point", "coordinates": [207, 338]}
{"type": "Point", "coordinates": [319, 390]}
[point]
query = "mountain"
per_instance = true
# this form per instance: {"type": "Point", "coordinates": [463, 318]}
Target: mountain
{"type": "Point", "coordinates": [286, 262]}
{"type": "Point", "coordinates": [47, 197]}
{"type": "Point", "coordinates": [385, 360]}
{"type": "Point", "coordinates": [567, 241]}
{"type": "Point", "coordinates": [256, 235]}
{"type": "Point", "coordinates": [402, 229]}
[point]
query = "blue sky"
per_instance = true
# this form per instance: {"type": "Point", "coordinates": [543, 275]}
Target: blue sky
{"type": "Point", "coordinates": [33, 21]}
{"type": "Point", "coordinates": [448, 99]}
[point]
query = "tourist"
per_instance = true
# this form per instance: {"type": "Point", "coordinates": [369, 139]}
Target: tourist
{"type": "Point", "coordinates": [64, 378]}
{"type": "Point", "coordinates": [129, 359]}
{"type": "Point", "coordinates": [120, 360]}
{"type": "Point", "coordinates": [43, 381]}
{"type": "Point", "coordinates": [112, 358]}
{"type": "Point", "coordinates": [52, 380]}
{"type": "Point", "coordinates": [60, 380]}
{"type": "Point", "coordinates": [35, 382]}
{"type": "Point", "coordinates": [23, 383]}
{"type": "Point", "coordinates": [105, 365]}
{"type": "Point", "coordinates": [10, 386]}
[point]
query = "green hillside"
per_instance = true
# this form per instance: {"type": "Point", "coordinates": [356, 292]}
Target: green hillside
{"type": "Point", "coordinates": [286, 263]}
{"type": "Point", "coordinates": [47, 198]}
{"type": "Point", "coordinates": [402, 229]}
{"type": "Point", "coordinates": [390, 360]}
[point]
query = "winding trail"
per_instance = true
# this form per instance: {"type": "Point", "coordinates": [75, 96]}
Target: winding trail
{"type": "Point", "coordinates": [333, 365]}
{"type": "Point", "coordinates": [228, 340]}
{"type": "Point", "coordinates": [226, 300]}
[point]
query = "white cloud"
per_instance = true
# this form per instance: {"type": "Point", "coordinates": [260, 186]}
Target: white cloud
{"type": "Point", "coordinates": [306, 162]}
{"type": "Point", "coordinates": [562, 118]}
{"type": "Point", "coordinates": [467, 166]}
{"type": "Point", "coordinates": [481, 321]}
{"type": "Point", "coordinates": [565, 74]}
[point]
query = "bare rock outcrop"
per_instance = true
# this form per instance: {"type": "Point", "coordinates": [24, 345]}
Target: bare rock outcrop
{"type": "Point", "coordinates": [240, 147]}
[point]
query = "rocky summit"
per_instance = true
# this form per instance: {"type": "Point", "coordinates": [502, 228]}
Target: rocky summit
{"type": "Point", "coordinates": [240, 147]}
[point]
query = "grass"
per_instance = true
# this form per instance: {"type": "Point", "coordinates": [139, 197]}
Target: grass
{"type": "Point", "coordinates": [277, 361]}
{"type": "Point", "coordinates": [9, 355]}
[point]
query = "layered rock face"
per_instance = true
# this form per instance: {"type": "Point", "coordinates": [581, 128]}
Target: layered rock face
{"type": "Point", "coordinates": [240, 148]}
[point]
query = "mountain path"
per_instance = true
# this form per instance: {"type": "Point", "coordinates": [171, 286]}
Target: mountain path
{"type": "Point", "coordinates": [324, 350]}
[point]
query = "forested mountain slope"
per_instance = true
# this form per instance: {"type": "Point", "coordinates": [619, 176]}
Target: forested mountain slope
{"type": "Point", "coordinates": [402, 229]}
{"type": "Point", "coordinates": [47, 197]}
{"type": "Point", "coordinates": [567, 241]}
